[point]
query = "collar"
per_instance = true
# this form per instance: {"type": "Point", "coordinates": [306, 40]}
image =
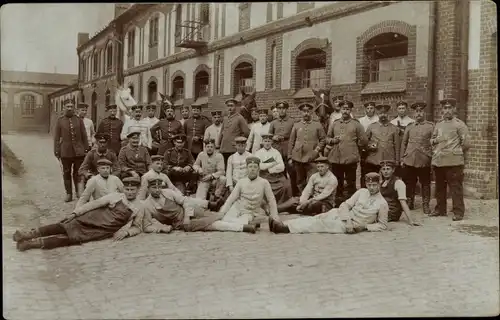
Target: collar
{"type": "Point", "coordinates": [133, 148]}
{"type": "Point", "coordinates": [346, 120]}
{"type": "Point", "coordinates": [210, 155]}
{"type": "Point", "coordinates": [285, 118]}
{"type": "Point", "coordinates": [101, 154]}
{"type": "Point", "coordinates": [306, 122]}
{"type": "Point", "coordinates": [371, 118]}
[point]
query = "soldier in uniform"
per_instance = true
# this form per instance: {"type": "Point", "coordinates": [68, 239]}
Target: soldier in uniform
{"type": "Point", "coordinates": [151, 120]}
{"type": "Point", "coordinates": [416, 155]}
{"type": "Point", "coordinates": [401, 121]}
{"type": "Point", "coordinates": [234, 125]}
{"type": "Point", "coordinates": [346, 136]}
{"type": "Point", "coordinates": [165, 129]}
{"type": "Point", "coordinates": [307, 139]}
{"type": "Point", "coordinates": [70, 146]}
{"type": "Point", "coordinates": [450, 140]}
{"type": "Point", "coordinates": [112, 127]}
{"type": "Point", "coordinates": [134, 159]}
{"type": "Point", "coordinates": [336, 114]}
{"type": "Point", "coordinates": [178, 164]}
{"type": "Point", "coordinates": [369, 118]}
{"type": "Point", "coordinates": [184, 114]}
{"type": "Point", "coordinates": [384, 141]}
{"type": "Point", "coordinates": [213, 131]}
{"type": "Point", "coordinates": [194, 129]}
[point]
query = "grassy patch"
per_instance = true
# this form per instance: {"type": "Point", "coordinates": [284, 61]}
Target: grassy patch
{"type": "Point", "coordinates": [10, 162]}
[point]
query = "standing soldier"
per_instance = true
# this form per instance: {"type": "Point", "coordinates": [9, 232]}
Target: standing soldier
{"type": "Point", "coordinates": [70, 146]}
{"type": "Point", "coordinates": [112, 127]}
{"type": "Point", "coordinates": [401, 121]}
{"type": "Point", "coordinates": [281, 128]}
{"type": "Point", "coordinates": [416, 154]}
{"type": "Point", "coordinates": [369, 118]}
{"type": "Point", "coordinates": [347, 136]}
{"type": "Point", "coordinates": [450, 140]}
{"type": "Point", "coordinates": [336, 114]}
{"type": "Point", "coordinates": [151, 120]}
{"type": "Point", "coordinates": [194, 129]}
{"type": "Point", "coordinates": [89, 125]}
{"type": "Point", "coordinates": [164, 130]}
{"type": "Point", "coordinates": [307, 139]}
{"type": "Point", "coordinates": [233, 126]}
{"type": "Point", "coordinates": [384, 142]}
{"type": "Point", "coordinates": [184, 114]}
{"type": "Point", "coordinates": [136, 123]}
{"type": "Point", "coordinates": [258, 129]}
{"type": "Point", "coordinates": [213, 131]}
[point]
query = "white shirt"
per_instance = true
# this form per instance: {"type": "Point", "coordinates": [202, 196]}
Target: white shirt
{"type": "Point", "coordinates": [89, 128]}
{"type": "Point", "coordinates": [366, 121]}
{"type": "Point", "coordinates": [213, 132]}
{"type": "Point", "coordinates": [141, 125]}
{"type": "Point", "coordinates": [236, 168]}
{"type": "Point", "coordinates": [151, 121]}
{"type": "Point", "coordinates": [97, 187]}
{"type": "Point", "coordinates": [273, 167]}
{"type": "Point", "coordinates": [402, 121]}
{"type": "Point", "coordinates": [255, 137]}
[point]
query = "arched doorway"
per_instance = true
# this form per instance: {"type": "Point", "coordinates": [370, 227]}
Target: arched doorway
{"type": "Point", "coordinates": [152, 91]}
{"type": "Point", "coordinates": [93, 115]}
{"type": "Point", "coordinates": [178, 88]}
{"type": "Point", "coordinates": [243, 78]}
{"type": "Point", "coordinates": [311, 65]}
{"type": "Point", "coordinates": [201, 84]}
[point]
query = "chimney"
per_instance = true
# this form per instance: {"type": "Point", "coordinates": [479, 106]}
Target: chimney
{"type": "Point", "coordinates": [82, 38]}
{"type": "Point", "coordinates": [120, 8]}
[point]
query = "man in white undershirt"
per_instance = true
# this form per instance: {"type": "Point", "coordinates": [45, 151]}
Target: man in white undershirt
{"type": "Point", "coordinates": [369, 118]}
{"type": "Point", "coordinates": [89, 124]}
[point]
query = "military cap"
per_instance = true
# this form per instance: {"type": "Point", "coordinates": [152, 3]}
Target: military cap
{"type": "Point", "coordinates": [448, 102]}
{"type": "Point", "coordinates": [389, 163]}
{"type": "Point", "coordinates": [372, 177]}
{"type": "Point", "coordinates": [196, 106]}
{"type": "Point", "coordinates": [216, 113]}
{"type": "Point", "coordinates": [69, 102]}
{"type": "Point", "coordinates": [402, 103]}
{"type": "Point", "coordinates": [337, 98]}
{"type": "Point", "coordinates": [383, 107]}
{"type": "Point", "coordinates": [169, 106]}
{"type": "Point", "coordinates": [304, 105]}
{"type": "Point", "coordinates": [157, 157]}
{"type": "Point", "coordinates": [418, 105]}
{"type": "Point", "coordinates": [136, 107]}
{"type": "Point", "coordinates": [263, 111]}
{"type": "Point", "coordinates": [252, 159]}
{"type": "Point", "coordinates": [111, 106]}
{"type": "Point", "coordinates": [134, 132]}
{"type": "Point", "coordinates": [101, 136]}
{"type": "Point", "coordinates": [151, 106]}
{"type": "Point", "coordinates": [321, 159]}
{"type": "Point", "coordinates": [82, 106]}
{"type": "Point", "coordinates": [282, 105]}
{"type": "Point", "coordinates": [155, 182]}
{"type": "Point", "coordinates": [240, 140]}
{"type": "Point", "coordinates": [209, 141]}
{"type": "Point", "coordinates": [104, 162]}
{"type": "Point", "coordinates": [180, 137]}
{"type": "Point", "coordinates": [266, 136]}
{"type": "Point", "coordinates": [232, 100]}
{"type": "Point", "coordinates": [347, 103]}
{"type": "Point", "coordinates": [367, 104]}
{"type": "Point", "coordinates": [131, 181]}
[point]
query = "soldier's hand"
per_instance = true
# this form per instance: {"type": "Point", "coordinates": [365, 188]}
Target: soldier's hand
{"type": "Point", "coordinates": [402, 164]}
{"type": "Point", "coordinates": [88, 175]}
{"type": "Point", "coordinates": [186, 168]}
{"type": "Point", "coordinates": [300, 207]}
{"type": "Point", "coordinates": [165, 228]}
{"type": "Point", "coordinates": [290, 162]}
{"type": "Point", "coordinates": [134, 174]}
{"type": "Point", "coordinates": [206, 178]}
{"type": "Point", "coordinates": [433, 142]}
{"type": "Point", "coordinates": [177, 168]}
{"type": "Point", "coordinates": [68, 217]}
{"type": "Point", "coordinates": [336, 139]}
{"type": "Point", "coordinates": [120, 235]}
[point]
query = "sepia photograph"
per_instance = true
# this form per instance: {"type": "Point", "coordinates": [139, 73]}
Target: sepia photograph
{"type": "Point", "coordinates": [254, 160]}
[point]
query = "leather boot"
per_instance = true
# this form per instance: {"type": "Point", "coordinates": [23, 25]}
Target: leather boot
{"type": "Point", "coordinates": [21, 235]}
{"type": "Point", "coordinates": [277, 226]}
{"type": "Point", "coordinates": [69, 198]}
{"type": "Point", "coordinates": [249, 228]}
{"type": "Point", "coordinates": [411, 203]}
{"type": "Point", "coordinates": [426, 199]}
{"type": "Point", "coordinates": [29, 244]}
{"type": "Point", "coordinates": [78, 192]}
{"type": "Point", "coordinates": [289, 205]}
{"type": "Point", "coordinates": [69, 190]}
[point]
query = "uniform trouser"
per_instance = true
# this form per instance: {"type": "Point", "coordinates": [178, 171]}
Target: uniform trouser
{"type": "Point", "coordinates": [290, 170]}
{"type": "Point", "coordinates": [226, 156]}
{"type": "Point", "coordinates": [232, 221]}
{"type": "Point", "coordinates": [345, 173]}
{"type": "Point", "coordinates": [411, 176]}
{"type": "Point", "coordinates": [303, 172]}
{"type": "Point", "coordinates": [452, 177]}
{"type": "Point", "coordinates": [204, 187]}
{"type": "Point", "coordinates": [70, 172]}
{"type": "Point", "coordinates": [328, 222]}
{"type": "Point", "coordinates": [317, 207]}
{"type": "Point", "coordinates": [54, 236]}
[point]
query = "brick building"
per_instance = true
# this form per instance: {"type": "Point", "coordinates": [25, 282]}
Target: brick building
{"type": "Point", "coordinates": [367, 51]}
{"type": "Point", "coordinates": [25, 99]}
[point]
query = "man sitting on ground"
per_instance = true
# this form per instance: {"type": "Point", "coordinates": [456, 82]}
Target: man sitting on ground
{"type": "Point", "coordinates": [178, 164]}
{"type": "Point", "coordinates": [155, 173]}
{"type": "Point", "coordinates": [209, 165]}
{"type": "Point", "coordinates": [236, 163]}
{"type": "Point", "coordinates": [134, 159]}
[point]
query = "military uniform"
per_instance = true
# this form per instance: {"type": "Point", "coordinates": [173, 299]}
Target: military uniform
{"type": "Point", "coordinates": [416, 155]}
{"type": "Point", "coordinates": [194, 129]}
{"type": "Point", "coordinates": [179, 157]}
{"type": "Point", "coordinates": [306, 141]}
{"type": "Point", "coordinates": [70, 145]}
{"type": "Point", "coordinates": [164, 131]}
{"type": "Point", "coordinates": [346, 138]}
{"type": "Point", "coordinates": [450, 140]}
{"type": "Point", "coordinates": [401, 123]}
{"type": "Point", "coordinates": [112, 126]}
{"type": "Point", "coordinates": [133, 158]}
{"type": "Point", "coordinates": [363, 153]}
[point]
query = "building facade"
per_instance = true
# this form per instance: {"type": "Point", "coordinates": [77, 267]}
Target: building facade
{"type": "Point", "coordinates": [367, 51]}
{"type": "Point", "coordinates": [25, 99]}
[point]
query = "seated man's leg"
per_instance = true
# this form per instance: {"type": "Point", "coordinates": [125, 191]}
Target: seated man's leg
{"type": "Point", "coordinates": [82, 181]}
{"type": "Point", "coordinates": [328, 222]}
{"type": "Point", "coordinates": [202, 190]}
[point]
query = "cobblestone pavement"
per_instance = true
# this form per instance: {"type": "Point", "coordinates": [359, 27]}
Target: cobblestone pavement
{"type": "Point", "coordinates": [439, 269]}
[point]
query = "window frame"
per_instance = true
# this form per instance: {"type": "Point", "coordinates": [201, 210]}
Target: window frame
{"type": "Point", "coordinates": [178, 92]}
{"type": "Point", "coordinates": [154, 23]}
{"type": "Point", "coordinates": [28, 111]}
{"type": "Point", "coordinates": [372, 63]}
{"type": "Point", "coordinates": [131, 43]}
{"type": "Point", "coordinates": [109, 58]}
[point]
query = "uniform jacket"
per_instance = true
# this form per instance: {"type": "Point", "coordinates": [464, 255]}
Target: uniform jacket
{"type": "Point", "coordinates": [304, 139]}
{"type": "Point", "coordinates": [90, 162]}
{"type": "Point", "coordinates": [177, 158]}
{"type": "Point", "coordinates": [452, 138]}
{"type": "Point", "coordinates": [113, 128]}
{"type": "Point", "coordinates": [232, 126]}
{"type": "Point", "coordinates": [282, 127]}
{"type": "Point", "coordinates": [194, 128]}
{"type": "Point", "coordinates": [352, 137]}
{"type": "Point", "coordinates": [416, 149]}
{"type": "Point", "coordinates": [388, 142]}
{"type": "Point", "coordinates": [134, 159]}
{"type": "Point", "coordinates": [163, 131]}
{"type": "Point", "coordinates": [70, 137]}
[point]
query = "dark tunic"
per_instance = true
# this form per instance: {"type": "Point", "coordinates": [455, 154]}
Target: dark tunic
{"type": "Point", "coordinates": [164, 131]}
{"type": "Point", "coordinates": [90, 162]}
{"type": "Point", "coordinates": [280, 185]}
{"type": "Point", "coordinates": [232, 126]}
{"type": "Point", "coordinates": [113, 128]}
{"type": "Point", "coordinates": [282, 127]}
{"type": "Point", "coordinates": [194, 128]}
{"type": "Point", "coordinates": [131, 159]}
{"type": "Point", "coordinates": [70, 137]}
{"type": "Point", "coordinates": [98, 224]}
{"type": "Point", "coordinates": [391, 196]}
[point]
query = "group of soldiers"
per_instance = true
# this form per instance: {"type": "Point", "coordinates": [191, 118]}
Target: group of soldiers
{"type": "Point", "coordinates": [152, 175]}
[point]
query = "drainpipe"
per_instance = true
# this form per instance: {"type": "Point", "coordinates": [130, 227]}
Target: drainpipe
{"type": "Point", "coordinates": [431, 59]}
{"type": "Point", "coordinates": [463, 92]}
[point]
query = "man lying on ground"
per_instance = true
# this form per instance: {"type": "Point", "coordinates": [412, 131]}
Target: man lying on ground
{"type": "Point", "coordinates": [365, 210]}
{"type": "Point", "coordinates": [114, 215]}
{"type": "Point", "coordinates": [155, 173]}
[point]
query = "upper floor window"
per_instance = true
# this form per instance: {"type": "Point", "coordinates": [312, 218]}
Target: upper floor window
{"type": "Point", "coordinates": [244, 16]}
{"type": "Point", "coordinates": [269, 12]}
{"type": "Point", "coordinates": [28, 105]}
{"type": "Point", "coordinates": [95, 64]}
{"type": "Point", "coordinates": [131, 43]}
{"type": "Point", "coordinates": [243, 77]}
{"type": "Point", "coordinates": [153, 31]}
{"type": "Point", "coordinates": [386, 57]}
{"type": "Point", "coordinates": [109, 57]}
{"type": "Point", "coordinates": [178, 87]}
{"type": "Point", "coordinates": [178, 23]}
{"type": "Point", "coordinates": [107, 98]}
{"type": "Point", "coordinates": [303, 6]}
{"type": "Point", "coordinates": [205, 13]}
{"type": "Point", "coordinates": [312, 68]}
{"type": "Point", "coordinates": [279, 10]}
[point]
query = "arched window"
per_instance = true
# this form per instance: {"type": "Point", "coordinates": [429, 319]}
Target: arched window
{"type": "Point", "coordinates": [243, 77]}
{"type": "Point", "coordinates": [109, 57]}
{"type": "Point", "coordinates": [152, 91]}
{"type": "Point", "coordinates": [131, 88]}
{"type": "Point", "coordinates": [107, 98]}
{"type": "Point", "coordinates": [28, 105]}
{"type": "Point", "coordinates": [201, 83]}
{"type": "Point", "coordinates": [178, 88]}
{"type": "Point", "coordinates": [312, 68]}
{"type": "Point", "coordinates": [95, 64]}
{"type": "Point", "coordinates": [386, 57]}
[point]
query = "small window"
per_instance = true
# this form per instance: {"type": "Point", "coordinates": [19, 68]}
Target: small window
{"type": "Point", "coordinates": [107, 98]}
{"type": "Point", "coordinates": [178, 88]}
{"type": "Point", "coordinates": [279, 10]}
{"type": "Point", "coordinates": [205, 13]}
{"type": "Point", "coordinates": [312, 69]}
{"type": "Point", "coordinates": [95, 64]}
{"type": "Point", "coordinates": [269, 12]}
{"type": "Point", "coordinates": [244, 16]}
{"type": "Point", "coordinates": [28, 105]}
{"type": "Point", "coordinates": [131, 88]}
{"type": "Point", "coordinates": [109, 58]}
{"type": "Point", "coordinates": [153, 31]}
{"type": "Point", "coordinates": [131, 43]}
